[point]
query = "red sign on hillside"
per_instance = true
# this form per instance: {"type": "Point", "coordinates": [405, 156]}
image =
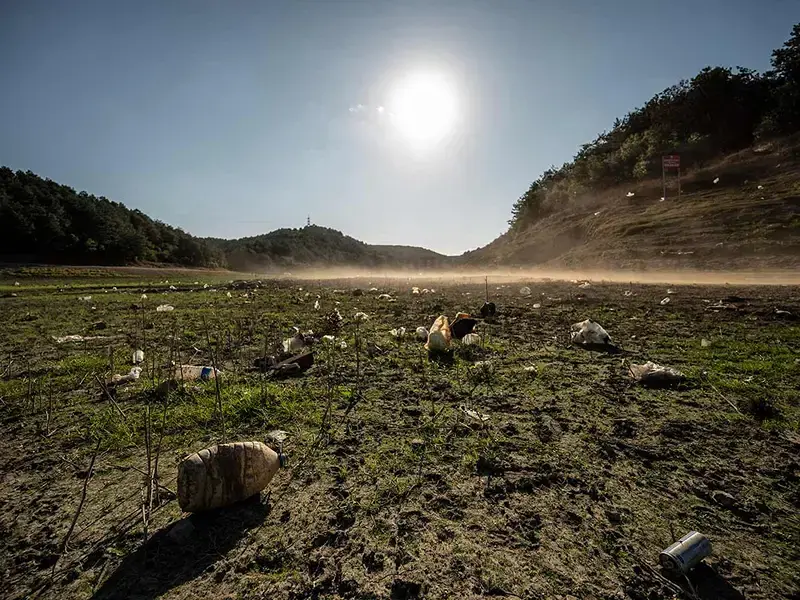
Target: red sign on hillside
{"type": "Point", "coordinates": [671, 161]}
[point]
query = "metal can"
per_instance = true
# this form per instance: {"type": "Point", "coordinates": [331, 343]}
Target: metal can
{"type": "Point", "coordinates": [686, 553]}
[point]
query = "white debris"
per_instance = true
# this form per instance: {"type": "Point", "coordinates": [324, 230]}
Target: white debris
{"type": "Point", "coordinates": [537, 305]}
{"type": "Point", "coordinates": [360, 317]}
{"type": "Point", "coordinates": [525, 291]}
{"type": "Point", "coordinates": [398, 333]}
{"type": "Point", "coordinates": [374, 289]}
{"type": "Point", "coordinates": [670, 291]}
{"type": "Point", "coordinates": [277, 435]}
{"type": "Point", "coordinates": [471, 339]}
{"type": "Point", "coordinates": [138, 357]}
{"type": "Point", "coordinates": [433, 291]}
{"type": "Point", "coordinates": [627, 293]}
{"type": "Point", "coordinates": [144, 297]}
{"type": "Point", "coordinates": [131, 376]}
{"type": "Point", "coordinates": [597, 213]}
{"type": "Point", "coordinates": [205, 286]}
{"type": "Point", "coordinates": [716, 180]}
{"type": "Point", "coordinates": [384, 297]}
{"type": "Point", "coordinates": [665, 301]}
{"type": "Point", "coordinates": [585, 285]}
{"type": "Point", "coordinates": [114, 289]}
{"type": "Point", "coordinates": [173, 288]}
{"type": "Point", "coordinates": [653, 374]}
{"type": "Point", "coordinates": [531, 370]}
{"type": "Point", "coordinates": [422, 334]}
{"type": "Point", "coordinates": [328, 339]}
{"type": "Point", "coordinates": [342, 344]}
{"type": "Point", "coordinates": [415, 290]}
{"type": "Point", "coordinates": [78, 338]}
{"type": "Point", "coordinates": [16, 283]}
{"type": "Point", "coordinates": [761, 187]}
{"type": "Point", "coordinates": [704, 343]}
{"type": "Point", "coordinates": [473, 414]}
{"type": "Point", "coordinates": [164, 308]}
{"type": "Point", "coordinates": [630, 194]}
{"type": "Point", "coordinates": [589, 332]}
{"type": "Point", "coordinates": [316, 305]}
{"type": "Point", "coordinates": [294, 344]}
{"type": "Point", "coordinates": [229, 295]}
{"type": "Point", "coordinates": [425, 291]}
{"type": "Point", "coordinates": [85, 298]}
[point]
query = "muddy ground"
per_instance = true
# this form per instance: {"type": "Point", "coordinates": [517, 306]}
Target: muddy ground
{"type": "Point", "coordinates": [569, 489]}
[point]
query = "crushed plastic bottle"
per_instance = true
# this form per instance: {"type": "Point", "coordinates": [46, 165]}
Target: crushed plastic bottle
{"type": "Point", "coordinates": [195, 373]}
{"type": "Point", "coordinates": [138, 357]}
{"type": "Point", "coordinates": [224, 474]}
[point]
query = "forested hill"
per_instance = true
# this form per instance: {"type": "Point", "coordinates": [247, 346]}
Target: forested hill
{"type": "Point", "coordinates": [43, 221]}
{"type": "Point", "coordinates": [736, 132]}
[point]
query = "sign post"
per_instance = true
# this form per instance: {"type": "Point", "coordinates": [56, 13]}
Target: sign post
{"type": "Point", "coordinates": [670, 161]}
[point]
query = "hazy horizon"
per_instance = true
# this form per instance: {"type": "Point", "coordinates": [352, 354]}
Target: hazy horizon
{"type": "Point", "coordinates": [398, 123]}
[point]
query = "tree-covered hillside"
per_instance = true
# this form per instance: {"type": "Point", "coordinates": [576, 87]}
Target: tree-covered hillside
{"type": "Point", "coordinates": [43, 221]}
{"type": "Point", "coordinates": [718, 111]}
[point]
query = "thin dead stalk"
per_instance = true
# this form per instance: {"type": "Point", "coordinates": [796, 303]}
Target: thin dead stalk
{"type": "Point", "coordinates": [80, 508]}
{"type": "Point", "coordinates": [724, 398]}
{"type": "Point", "coordinates": [216, 380]}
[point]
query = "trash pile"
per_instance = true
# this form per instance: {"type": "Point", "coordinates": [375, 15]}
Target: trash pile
{"type": "Point", "coordinates": [651, 374]}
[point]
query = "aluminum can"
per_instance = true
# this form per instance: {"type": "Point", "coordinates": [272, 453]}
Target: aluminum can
{"type": "Point", "coordinates": [686, 553]}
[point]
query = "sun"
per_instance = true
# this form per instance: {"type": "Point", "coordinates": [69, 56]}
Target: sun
{"type": "Point", "coordinates": [423, 107]}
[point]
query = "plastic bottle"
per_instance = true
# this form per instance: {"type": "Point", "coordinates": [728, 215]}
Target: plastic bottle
{"type": "Point", "coordinates": [194, 372]}
{"type": "Point", "coordinates": [224, 474]}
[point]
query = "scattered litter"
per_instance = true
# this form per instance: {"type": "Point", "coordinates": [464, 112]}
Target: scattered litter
{"type": "Point", "coordinates": [686, 553]}
{"type": "Point", "coordinates": [225, 474]}
{"type": "Point", "coordinates": [205, 286]}
{"type": "Point", "coordinates": [761, 187]}
{"type": "Point", "coordinates": [661, 199]}
{"type": "Point", "coordinates": [138, 357]}
{"type": "Point", "coordinates": [384, 297]}
{"type": "Point", "coordinates": [173, 288]}
{"type": "Point", "coordinates": [328, 339]}
{"type": "Point", "coordinates": [585, 285]}
{"type": "Point", "coordinates": [415, 290]}
{"type": "Point", "coordinates": [488, 309]}
{"type": "Point", "coordinates": [316, 305]}
{"type": "Point", "coordinates": [16, 283]}
{"type": "Point", "coordinates": [716, 180]}
{"type": "Point", "coordinates": [597, 213]}
{"type": "Point", "coordinates": [294, 365]}
{"type": "Point", "coordinates": [360, 317]}
{"type": "Point", "coordinates": [630, 194]}
{"type": "Point", "coordinates": [85, 298]}
{"type": "Point", "coordinates": [651, 374]}
{"type": "Point", "coordinates": [537, 305]}
{"type": "Point", "coordinates": [474, 414]}
{"type": "Point", "coordinates": [120, 380]}
{"type": "Point", "coordinates": [525, 291]}
{"type": "Point", "coordinates": [670, 291]}
{"type": "Point", "coordinates": [374, 289]}
{"type": "Point", "coordinates": [782, 313]}
{"type": "Point", "coordinates": [589, 332]}
{"type": "Point", "coordinates": [704, 343]}
{"type": "Point", "coordinates": [294, 344]}
{"type": "Point", "coordinates": [462, 325]}
{"type": "Point", "coordinates": [80, 338]}
{"type": "Point", "coordinates": [471, 339]}
{"type": "Point", "coordinates": [278, 435]}
{"type": "Point", "coordinates": [426, 291]}
{"type": "Point", "coordinates": [665, 301]}
{"type": "Point", "coordinates": [195, 372]}
{"type": "Point", "coordinates": [229, 295]}
{"type": "Point", "coordinates": [114, 289]}
{"type": "Point", "coordinates": [422, 334]}
{"type": "Point", "coordinates": [439, 335]}
{"type": "Point", "coordinates": [144, 297]}
{"type": "Point", "coordinates": [531, 370]}
{"type": "Point", "coordinates": [398, 333]}
{"type": "Point", "coordinates": [164, 308]}
{"type": "Point", "coordinates": [627, 293]}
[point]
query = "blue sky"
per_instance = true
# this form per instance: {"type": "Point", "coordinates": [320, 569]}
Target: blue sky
{"type": "Point", "coordinates": [230, 118]}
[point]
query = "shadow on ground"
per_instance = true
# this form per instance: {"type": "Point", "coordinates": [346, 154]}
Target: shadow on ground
{"type": "Point", "coordinates": [182, 552]}
{"type": "Point", "coordinates": [710, 585]}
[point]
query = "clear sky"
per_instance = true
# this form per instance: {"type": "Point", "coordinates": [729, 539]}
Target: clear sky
{"type": "Point", "coordinates": [396, 121]}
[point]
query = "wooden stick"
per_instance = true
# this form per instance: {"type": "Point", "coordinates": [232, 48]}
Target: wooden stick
{"type": "Point", "coordinates": [80, 508]}
{"type": "Point", "coordinates": [724, 398]}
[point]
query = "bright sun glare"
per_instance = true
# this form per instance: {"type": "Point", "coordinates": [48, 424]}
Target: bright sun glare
{"type": "Point", "coordinates": [423, 108]}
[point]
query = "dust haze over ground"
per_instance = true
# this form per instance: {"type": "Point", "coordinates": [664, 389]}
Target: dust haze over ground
{"type": "Point", "coordinates": [522, 275]}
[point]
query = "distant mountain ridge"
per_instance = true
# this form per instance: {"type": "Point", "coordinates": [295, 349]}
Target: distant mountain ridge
{"type": "Point", "coordinates": [45, 222]}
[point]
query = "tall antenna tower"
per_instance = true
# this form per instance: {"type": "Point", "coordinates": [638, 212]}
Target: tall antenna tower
{"type": "Point", "coordinates": [308, 221]}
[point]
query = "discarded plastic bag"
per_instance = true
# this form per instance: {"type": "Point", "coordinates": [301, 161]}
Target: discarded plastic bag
{"type": "Point", "coordinates": [439, 336]}
{"type": "Point", "coordinates": [225, 474]}
{"type": "Point", "coordinates": [294, 344]}
{"type": "Point", "coordinates": [589, 332]}
{"type": "Point", "coordinates": [138, 357]}
{"type": "Point", "coordinates": [120, 380]}
{"type": "Point", "coordinates": [462, 325]}
{"type": "Point", "coordinates": [164, 308]}
{"type": "Point", "coordinates": [471, 339]}
{"type": "Point", "coordinates": [398, 333]}
{"type": "Point", "coordinates": [651, 374]}
{"type": "Point", "coordinates": [474, 414]}
{"type": "Point", "coordinates": [422, 334]}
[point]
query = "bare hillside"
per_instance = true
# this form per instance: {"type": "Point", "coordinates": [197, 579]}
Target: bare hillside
{"type": "Point", "coordinates": [748, 219]}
